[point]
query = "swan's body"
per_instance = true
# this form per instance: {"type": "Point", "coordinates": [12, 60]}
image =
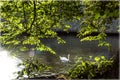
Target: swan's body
{"type": "Point", "coordinates": [64, 59]}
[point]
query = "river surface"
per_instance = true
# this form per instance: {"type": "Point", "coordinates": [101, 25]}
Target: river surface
{"type": "Point", "coordinates": [73, 47]}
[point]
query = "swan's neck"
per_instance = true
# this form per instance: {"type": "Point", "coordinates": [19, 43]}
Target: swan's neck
{"type": "Point", "coordinates": [68, 56]}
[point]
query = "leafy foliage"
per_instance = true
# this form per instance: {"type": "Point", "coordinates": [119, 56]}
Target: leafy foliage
{"type": "Point", "coordinates": [32, 68]}
{"type": "Point", "coordinates": [27, 22]}
{"type": "Point", "coordinates": [89, 69]}
{"type": "Point", "coordinates": [96, 15]}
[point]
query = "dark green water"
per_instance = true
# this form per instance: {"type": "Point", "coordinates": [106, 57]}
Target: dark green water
{"type": "Point", "coordinates": [75, 48]}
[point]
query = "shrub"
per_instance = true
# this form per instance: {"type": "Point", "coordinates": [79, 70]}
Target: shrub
{"type": "Point", "coordinates": [90, 69]}
{"type": "Point", "coordinates": [32, 68]}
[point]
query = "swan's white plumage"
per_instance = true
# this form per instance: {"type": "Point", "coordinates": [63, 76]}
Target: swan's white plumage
{"type": "Point", "coordinates": [64, 59]}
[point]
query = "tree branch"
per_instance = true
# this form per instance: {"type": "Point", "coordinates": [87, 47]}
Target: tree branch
{"type": "Point", "coordinates": [24, 21]}
{"type": "Point", "coordinates": [34, 14]}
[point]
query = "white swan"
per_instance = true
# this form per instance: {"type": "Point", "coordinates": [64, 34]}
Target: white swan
{"type": "Point", "coordinates": [64, 59]}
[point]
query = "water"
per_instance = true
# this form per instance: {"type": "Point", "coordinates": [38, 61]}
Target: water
{"type": "Point", "coordinates": [73, 47]}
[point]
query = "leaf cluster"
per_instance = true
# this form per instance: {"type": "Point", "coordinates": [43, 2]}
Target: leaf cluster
{"type": "Point", "coordinates": [96, 15]}
{"type": "Point", "coordinates": [89, 69]}
{"type": "Point", "coordinates": [32, 68]}
{"type": "Point", "coordinates": [25, 23]}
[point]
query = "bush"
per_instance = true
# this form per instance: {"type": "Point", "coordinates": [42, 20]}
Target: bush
{"type": "Point", "coordinates": [32, 68]}
{"type": "Point", "coordinates": [90, 69]}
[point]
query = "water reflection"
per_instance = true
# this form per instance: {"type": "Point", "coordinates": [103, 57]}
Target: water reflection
{"type": "Point", "coordinates": [8, 65]}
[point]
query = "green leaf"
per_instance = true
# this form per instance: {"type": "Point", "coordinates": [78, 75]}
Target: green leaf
{"type": "Point", "coordinates": [97, 59]}
{"type": "Point", "coordinates": [97, 15]}
{"type": "Point", "coordinates": [103, 57]}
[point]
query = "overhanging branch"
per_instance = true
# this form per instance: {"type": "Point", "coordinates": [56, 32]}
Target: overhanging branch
{"type": "Point", "coordinates": [24, 21]}
{"type": "Point", "coordinates": [34, 14]}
